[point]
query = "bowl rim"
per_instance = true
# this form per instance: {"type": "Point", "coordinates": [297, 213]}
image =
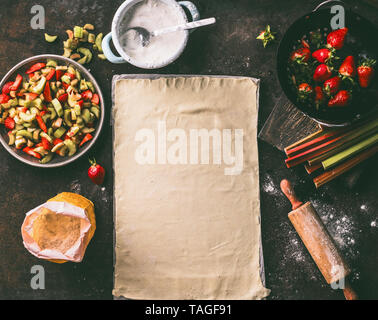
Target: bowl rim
{"type": "Point", "coordinates": [88, 75]}
{"type": "Point", "coordinates": [118, 16]}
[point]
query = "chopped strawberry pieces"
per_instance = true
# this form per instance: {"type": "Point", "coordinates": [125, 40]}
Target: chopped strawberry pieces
{"type": "Point", "coordinates": [46, 144]}
{"type": "Point", "coordinates": [41, 123]}
{"type": "Point", "coordinates": [50, 74]}
{"type": "Point", "coordinates": [17, 83]}
{"type": "Point", "coordinates": [36, 67]}
{"type": "Point", "coordinates": [87, 95]}
{"type": "Point", "coordinates": [30, 96]}
{"type": "Point", "coordinates": [95, 99]}
{"type": "Point", "coordinates": [59, 74]}
{"type": "Point", "coordinates": [6, 88]}
{"type": "Point", "coordinates": [63, 97]}
{"type": "Point", "coordinates": [87, 138]}
{"type": "Point", "coordinates": [4, 98]}
{"type": "Point", "coordinates": [47, 92]}
{"type": "Point", "coordinates": [57, 141]}
{"type": "Point", "coordinates": [9, 123]}
{"type": "Point", "coordinates": [72, 76]}
{"type": "Point", "coordinates": [32, 153]}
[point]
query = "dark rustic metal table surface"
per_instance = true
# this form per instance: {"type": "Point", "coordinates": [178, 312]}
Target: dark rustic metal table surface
{"type": "Point", "coordinates": [348, 209]}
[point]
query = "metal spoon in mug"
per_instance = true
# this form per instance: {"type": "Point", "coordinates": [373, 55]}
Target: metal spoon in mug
{"type": "Point", "coordinates": [144, 35]}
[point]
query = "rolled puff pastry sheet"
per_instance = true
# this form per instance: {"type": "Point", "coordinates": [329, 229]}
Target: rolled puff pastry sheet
{"type": "Point", "coordinates": [187, 224]}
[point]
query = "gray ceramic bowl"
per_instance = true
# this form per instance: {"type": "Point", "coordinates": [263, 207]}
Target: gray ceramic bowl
{"type": "Point", "coordinates": [57, 160]}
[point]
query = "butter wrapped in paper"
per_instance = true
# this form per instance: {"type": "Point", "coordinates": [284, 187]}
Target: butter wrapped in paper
{"type": "Point", "coordinates": [60, 229]}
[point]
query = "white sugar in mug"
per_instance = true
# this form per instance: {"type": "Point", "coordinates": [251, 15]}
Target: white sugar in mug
{"type": "Point", "coordinates": [114, 35]}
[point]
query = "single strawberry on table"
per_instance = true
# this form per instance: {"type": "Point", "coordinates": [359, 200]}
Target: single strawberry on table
{"type": "Point", "coordinates": [335, 39]}
{"type": "Point", "coordinates": [341, 99]}
{"type": "Point", "coordinates": [332, 85]}
{"type": "Point", "coordinates": [365, 72]}
{"type": "Point", "coordinates": [96, 172]}
{"type": "Point", "coordinates": [322, 73]}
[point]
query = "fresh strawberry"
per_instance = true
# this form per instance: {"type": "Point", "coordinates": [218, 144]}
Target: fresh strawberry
{"type": "Point", "coordinates": [4, 98]}
{"type": "Point", "coordinates": [301, 55]}
{"type": "Point", "coordinates": [365, 72]}
{"type": "Point", "coordinates": [336, 38]}
{"type": "Point", "coordinates": [304, 91]}
{"type": "Point", "coordinates": [322, 72]}
{"type": "Point", "coordinates": [348, 67]}
{"type": "Point", "coordinates": [324, 55]}
{"type": "Point", "coordinates": [96, 172]}
{"type": "Point", "coordinates": [266, 36]}
{"type": "Point", "coordinates": [9, 123]}
{"type": "Point", "coordinates": [305, 87]}
{"type": "Point", "coordinates": [6, 87]}
{"type": "Point", "coordinates": [319, 95]}
{"type": "Point", "coordinates": [332, 85]}
{"type": "Point", "coordinates": [341, 99]}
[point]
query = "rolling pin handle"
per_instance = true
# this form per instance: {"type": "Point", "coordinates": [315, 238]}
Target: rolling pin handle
{"type": "Point", "coordinates": [288, 190]}
{"type": "Point", "coordinates": [349, 292]}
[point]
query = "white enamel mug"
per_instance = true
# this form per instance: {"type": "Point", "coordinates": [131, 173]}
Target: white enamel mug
{"type": "Point", "coordinates": [114, 34]}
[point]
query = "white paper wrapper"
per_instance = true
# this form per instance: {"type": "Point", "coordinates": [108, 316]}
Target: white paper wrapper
{"type": "Point", "coordinates": [76, 252]}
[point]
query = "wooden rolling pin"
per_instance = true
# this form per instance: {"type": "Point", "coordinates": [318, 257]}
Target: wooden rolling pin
{"type": "Point", "coordinates": [318, 241]}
